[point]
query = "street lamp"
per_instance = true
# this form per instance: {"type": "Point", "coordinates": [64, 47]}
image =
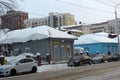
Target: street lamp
{"type": "Point", "coordinates": [116, 20]}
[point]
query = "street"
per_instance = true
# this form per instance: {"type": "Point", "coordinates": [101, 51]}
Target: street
{"type": "Point", "coordinates": [113, 74]}
{"type": "Point", "coordinates": [104, 71]}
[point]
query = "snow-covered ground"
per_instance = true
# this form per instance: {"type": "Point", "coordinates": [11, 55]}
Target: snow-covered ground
{"type": "Point", "coordinates": [52, 67]}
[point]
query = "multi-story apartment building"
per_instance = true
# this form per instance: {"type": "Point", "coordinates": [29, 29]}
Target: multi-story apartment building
{"type": "Point", "coordinates": [13, 20]}
{"type": "Point", "coordinates": [35, 22]}
{"type": "Point", "coordinates": [69, 19]}
{"type": "Point", "coordinates": [111, 26]}
{"type": "Point", "coordinates": [61, 19]}
{"type": "Point", "coordinates": [98, 27]}
{"type": "Point", "coordinates": [85, 29]}
{"type": "Point", "coordinates": [54, 19]}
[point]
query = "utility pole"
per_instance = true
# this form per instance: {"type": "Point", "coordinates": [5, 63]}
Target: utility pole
{"type": "Point", "coordinates": [116, 22]}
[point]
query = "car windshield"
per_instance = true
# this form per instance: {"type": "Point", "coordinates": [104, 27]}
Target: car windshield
{"type": "Point", "coordinates": [13, 61]}
{"type": "Point", "coordinates": [99, 55]}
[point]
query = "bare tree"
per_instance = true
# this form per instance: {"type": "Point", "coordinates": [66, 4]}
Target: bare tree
{"type": "Point", "coordinates": [6, 5]}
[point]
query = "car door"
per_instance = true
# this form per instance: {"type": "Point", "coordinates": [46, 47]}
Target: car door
{"type": "Point", "coordinates": [29, 64]}
{"type": "Point", "coordinates": [21, 66]}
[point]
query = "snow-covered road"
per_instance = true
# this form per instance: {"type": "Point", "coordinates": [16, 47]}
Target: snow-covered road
{"type": "Point", "coordinates": [113, 74]}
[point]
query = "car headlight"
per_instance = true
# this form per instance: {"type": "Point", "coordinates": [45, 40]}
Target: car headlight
{"type": "Point", "coordinates": [4, 69]}
{"type": "Point", "coordinates": [1, 69]}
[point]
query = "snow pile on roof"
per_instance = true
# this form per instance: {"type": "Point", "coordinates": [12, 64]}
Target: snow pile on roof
{"type": "Point", "coordinates": [37, 33]}
{"type": "Point", "coordinates": [103, 34]}
{"type": "Point", "coordinates": [78, 48]}
{"type": "Point", "coordinates": [94, 38]}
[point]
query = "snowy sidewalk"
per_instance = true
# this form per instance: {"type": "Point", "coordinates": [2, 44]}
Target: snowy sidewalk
{"type": "Point", "coordinates": [52, 67]}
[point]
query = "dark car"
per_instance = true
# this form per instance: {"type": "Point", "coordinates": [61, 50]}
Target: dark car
{"type": "Point", "coordinates": [78, 60]}
{"type": "Point", "coordinates": [74, 61]}
{"type": "Point", "coordinates": [115, 57]}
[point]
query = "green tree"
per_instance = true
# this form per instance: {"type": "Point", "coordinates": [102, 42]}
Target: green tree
{"type": "Point", "coordinates": [6, 5]}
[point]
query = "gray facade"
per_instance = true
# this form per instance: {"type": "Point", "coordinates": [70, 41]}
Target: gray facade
{"type": "Point", "coordinates": [59, 49]}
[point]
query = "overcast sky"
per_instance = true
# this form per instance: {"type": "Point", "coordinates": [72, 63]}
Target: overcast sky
{"type": "Point", "coordinates": [87, 11]}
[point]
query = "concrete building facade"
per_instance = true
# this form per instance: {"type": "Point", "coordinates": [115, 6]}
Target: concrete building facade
{"type": "Point", "coordinates": [98, 27]}
{"type": "Point", "coordinates": [111, 26]}
{"type": "Point", "coordinates": [35, 22]}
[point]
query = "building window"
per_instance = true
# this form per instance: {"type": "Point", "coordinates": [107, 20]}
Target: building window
{"type": "Point", "coordinates": [56, 51]}
{"type": "Point", "coordinates": [16, 51]}
{"type": "Point", "coordinates": [113, 49]}
{"type": "Point", "coordinates": [86, 49]}
{"type": "Point", "coordinates": [108, 47]}
{"type": "Point", "coordinates": [116, 49]}
{"type": "Point", "coordinates": [27, 49]}
{"type": "Point", "coordinates": [68, 50]}
{"type": "Point", "coordinates": [63, 52]}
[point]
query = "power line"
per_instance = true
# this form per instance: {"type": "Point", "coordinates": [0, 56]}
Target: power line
{"type": "Point", "coordinates": [83, 6]}
{"type": "Point", "coordinates": [111, 1]}
{"type": "Point", "coordinates": [104, 3]}
{"type": "Point", "coordinates": [36, 14]}
{"type": "Point", "coordinates": [107, 3]}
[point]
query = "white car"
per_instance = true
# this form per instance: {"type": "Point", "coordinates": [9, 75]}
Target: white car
{"type": "Point", "coordinates": [16, 66]}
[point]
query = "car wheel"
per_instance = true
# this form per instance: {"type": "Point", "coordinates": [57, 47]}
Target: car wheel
{"type": "Point", "coordinates": [109, 60]}
{"type": "Point", "coordinates": [90, 62]}
{"type": "Point", "coordinates": [34, 69]}
{"type": "Point", "coordinates": [102, 61]}
{"type": "Point", "coordinates": [13, 72]}
{"type": "Point", "coordinates": [81, 63]}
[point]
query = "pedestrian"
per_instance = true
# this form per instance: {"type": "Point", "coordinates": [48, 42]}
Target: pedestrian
{"type": "Point", "coordinates": [109, 56]}
{"type": "Point", "coordinates": [87, 55]}
{"type": "Point", "coordinates": [97, 54]}
{"type": "Point", "coordinates": [48, 58]}
{"type": "Point", "coordinates": [3, 60]}
{"type": "Point", "coordinates": [39, 59]}
{"type": "Point", "coordinates": [108, 52]}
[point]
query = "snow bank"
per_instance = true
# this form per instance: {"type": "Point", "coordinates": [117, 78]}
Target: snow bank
{"type": "Point", "coordinates": [52, 67]}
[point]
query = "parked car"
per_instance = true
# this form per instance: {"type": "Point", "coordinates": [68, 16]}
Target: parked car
{"type": "Point", "coordinates": [107, 58]}
{"type": "Point", "coordinates": [78, 60]}
{"type": "Point", "coordinates": [74, 61]}
{"type": "Point", "coordinates": [19, 65]}
{"type": "Point", "coordinates": [115, 57]}
{"type": "Point", "coordinates": [97, 59]}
